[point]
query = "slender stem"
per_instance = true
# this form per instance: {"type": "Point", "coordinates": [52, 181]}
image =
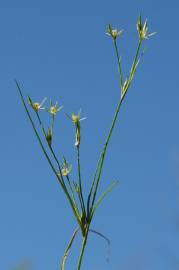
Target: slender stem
{"type": "Point", "coordinates": [62, 267]}
{"type": "Point", "coordinates": [50, 147]}
{"type": "Point", "coordinates": [104, 152]}
{"type": "Point", "coordinates": [137, 51]}
{"type": "Point", "coordinates": [100, 161]}
{"type": "Point", "coordinates": [102, 156]}
{"type": "Point", "coordinates": [84, 241]}
{"type": "Point", "coordinates": [53, 120]}
{"type": "Point", "coordinates": [119, 63]}
{"type": "Point", "coordinates": [92, 186]}
{"type": "Point", "coordinates": [40, 122]}
{"type": "Point", "coordinates": [56, 159]}
{"type": "Point", "coordinates": [134, 62]}
{"type": "Point", "coordinates": [79, 180]}
{"type": "Point", "coordinates": [72, 192]}
{"type": "Point", "coordinates": [47, 157]}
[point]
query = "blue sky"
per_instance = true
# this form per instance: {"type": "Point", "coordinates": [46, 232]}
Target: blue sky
{"type": "Point", "coordinates": [58, 49]}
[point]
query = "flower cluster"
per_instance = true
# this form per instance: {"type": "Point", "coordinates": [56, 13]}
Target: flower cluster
{"type": "Point", "coordinates": [142, 29]}
{"type": "Point", "coordinates": [66, 168]}
{"type": "Point", "coordinates": [36, 106]}
{"type": "Point", "coordinates": [114, 33]}
{"type": "Point", "coordinates": [54, 108]}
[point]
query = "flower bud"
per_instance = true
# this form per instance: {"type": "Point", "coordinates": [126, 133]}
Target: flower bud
{"type": "Point", "coordinates": [75, 118]}
{"type": "Point", "coordinates": [77, 134]}
{"type": "Point", "coordinates": [49, 136]}
{"type": "Point", "coordinates": [66, 167]}
{"type": "Point", "coordinates": [76, 187]}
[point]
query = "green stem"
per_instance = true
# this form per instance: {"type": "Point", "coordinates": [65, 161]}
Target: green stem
{"type": "Point", "coordinates": [53, 120]}
{"type": "Point", "coordinates": [102, 156]}
{"type": "Point", "coordinates": [84, 241]}
{"type": "Point", "coordinates": [100, 161]}
{"type": "Point", "coordinates": [40, 122]}
{"type": "Point", "coordinates": [50, 147]}
{"type": "Point", "coordinates": [92, 186]}
{"type": "Point", "coordinates": [80, 185]}
{"type": "Point", "coordinates": [62, 267]}
{"type": "Point", "coordinates": [104, 152]}
{"type": "Point", "coordinates": [119, 63]}
{"type": "Point", "coordinates": [133, 68]}
{"type": "Point", "coordinates": [72, 192]}
{"type": "Point", "coordinates": [47, 157]}
{"type": "Point", "coordinates": [56, 159]}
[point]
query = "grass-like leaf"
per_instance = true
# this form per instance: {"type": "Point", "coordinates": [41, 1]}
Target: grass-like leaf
{"type": "Point", "coordinates": [111, 186]}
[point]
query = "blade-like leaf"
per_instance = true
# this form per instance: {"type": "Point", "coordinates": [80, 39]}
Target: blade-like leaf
{"type": "Point", "coordinates": [101, 235]}
{"type": "Point", "coordinates": [68, 249]}
{"type": "Point", "coordinates": [111, 186]}
{"type": "Point", "coordinates": [105, 238]}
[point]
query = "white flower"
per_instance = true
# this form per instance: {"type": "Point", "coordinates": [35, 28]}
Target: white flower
{"type": "Point", "coordinates": [36, 105]}
{"type": "Point", "coordinates": [54, 109]}
{"type": "Point", "coordinates": [66, 168]}
{"type": "Point", "coordinates": [75, 118]}
{"type": "Point", "coordinates": [142, 29]}
{"type": "Point", "coordinates": [114, 33]}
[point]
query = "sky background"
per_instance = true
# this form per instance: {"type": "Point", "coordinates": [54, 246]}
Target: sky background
{"type": "Point", "coordinates": [59, 50]}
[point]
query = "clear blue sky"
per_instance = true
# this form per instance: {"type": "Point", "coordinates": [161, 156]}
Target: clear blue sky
{"type": "Point", "coordinates": [59, 49]}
